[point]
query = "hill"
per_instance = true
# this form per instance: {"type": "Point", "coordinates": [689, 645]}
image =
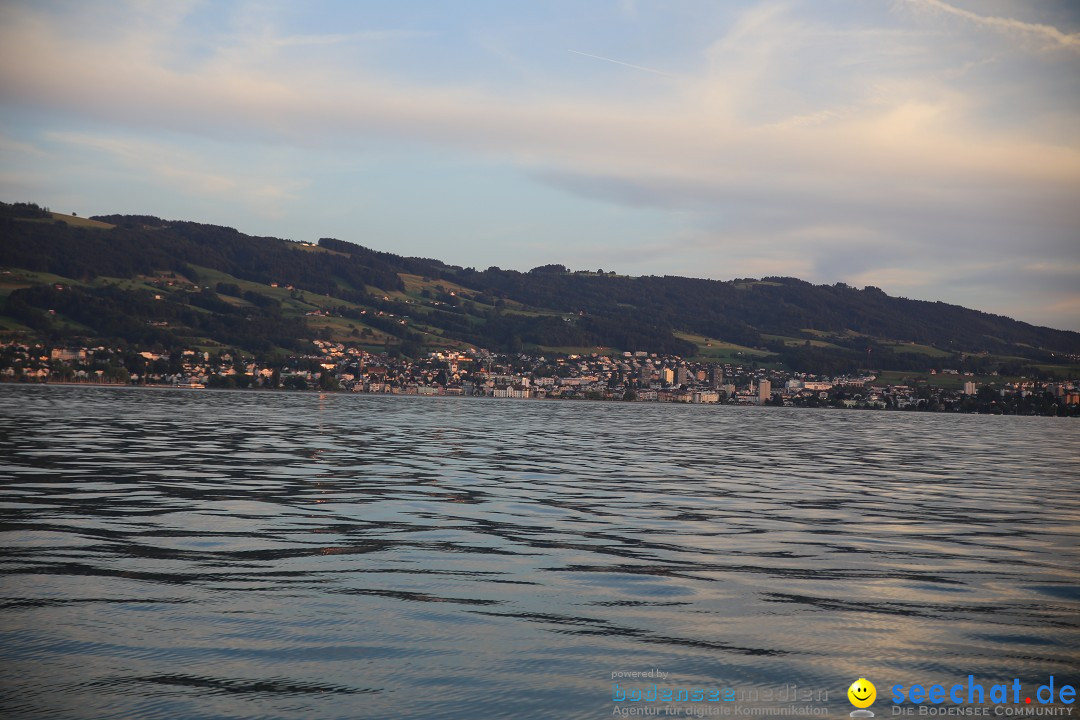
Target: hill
{"type": "Point", "coordinates": [149, 282]}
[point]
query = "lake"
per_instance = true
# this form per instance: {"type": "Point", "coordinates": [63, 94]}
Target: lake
{"type": "Point", "coordinates": [200, 554]}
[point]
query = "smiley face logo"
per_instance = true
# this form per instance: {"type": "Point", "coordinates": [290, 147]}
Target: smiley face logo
{"type": "Point", "coordinates": [862, 693]}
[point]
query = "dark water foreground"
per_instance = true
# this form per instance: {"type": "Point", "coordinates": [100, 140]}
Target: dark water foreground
{"type": "Point", "coordinates": [170, 554]}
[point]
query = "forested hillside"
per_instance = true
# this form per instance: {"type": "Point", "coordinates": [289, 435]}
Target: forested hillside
{"type": "Point", "coordinates": [144, 280]}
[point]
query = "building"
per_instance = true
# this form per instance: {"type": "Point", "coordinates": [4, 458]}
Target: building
{"type": "Point", "coordinates": [764, 391]}
{"type": "Point", "coordinates": [969, 388]}
{"type": "Point", "coordinates": [65, 355]}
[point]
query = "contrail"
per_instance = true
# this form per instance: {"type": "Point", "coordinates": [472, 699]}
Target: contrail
{"type": "Point", "coordinates": [624, 64]}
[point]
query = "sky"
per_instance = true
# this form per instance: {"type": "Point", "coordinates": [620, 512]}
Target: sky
{"type": "Point", "coordinates": [930, 148]}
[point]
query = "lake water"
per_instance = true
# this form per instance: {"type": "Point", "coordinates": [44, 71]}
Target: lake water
{"type": "Point", "coordinates": [199, 554]}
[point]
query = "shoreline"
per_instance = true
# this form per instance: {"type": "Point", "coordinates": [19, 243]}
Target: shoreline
{"type": "Point", "coordinates": [316, 392]}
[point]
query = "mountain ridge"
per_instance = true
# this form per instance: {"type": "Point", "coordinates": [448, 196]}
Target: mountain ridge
{"type": "Point", "coordinates": [412, 303]}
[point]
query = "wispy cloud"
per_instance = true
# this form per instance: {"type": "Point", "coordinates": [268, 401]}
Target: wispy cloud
{"type": "Point", "coordinates": [345, 38]}
{"type": "Point", "coordinates": [1048, 35]}
{"type": "Point", "coordinates": [184, 171]}
{"type": "Point", "coordinates": [893, 146]}
{"type": "Point", "coordinates": [12, 146]}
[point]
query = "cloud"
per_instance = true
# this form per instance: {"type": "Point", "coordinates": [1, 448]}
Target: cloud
{"type": "Point", "coordinates": [184, 171]}
{"type": "Point", "coordinates": [11, 145]}
{"type": "Point", "coordinates": [908, 129]}
{"type": "Point", "coordinates": [1048, 36]}
{"type": "Point", "coordinates": [344, 38]}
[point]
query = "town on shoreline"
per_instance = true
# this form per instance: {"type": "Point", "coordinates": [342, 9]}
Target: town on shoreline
{"type": "Point", "coordinates": [627, 376]}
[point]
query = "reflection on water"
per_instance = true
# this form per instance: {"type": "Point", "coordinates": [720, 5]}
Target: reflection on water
{"type": "Point", "coordinates": [173, 554]}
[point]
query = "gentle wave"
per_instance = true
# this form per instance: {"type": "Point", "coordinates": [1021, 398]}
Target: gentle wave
{"type": "Point", "coordinates": [231, 554]}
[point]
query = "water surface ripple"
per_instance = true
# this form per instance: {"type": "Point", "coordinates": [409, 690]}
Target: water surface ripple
{"type": "Point", "coordinates": [171, 554]}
